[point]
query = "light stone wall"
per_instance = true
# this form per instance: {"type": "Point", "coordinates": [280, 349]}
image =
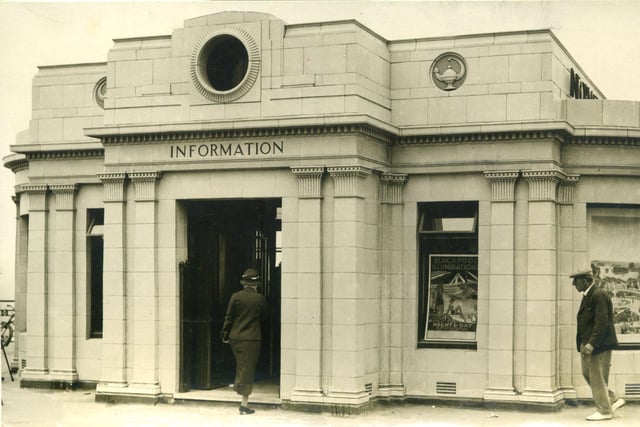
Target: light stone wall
{"type": "Point", "coordinates": [424, 367]}
{"type": "Point", "coordinates": [306, 70]}
{"type": "Point", "coordinates": [508, 80]}
{"type": "Point", "coordinates": [63, 103]}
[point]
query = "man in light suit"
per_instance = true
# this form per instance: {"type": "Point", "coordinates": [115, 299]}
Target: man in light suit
{"type": "Point", "coordinates": [595, 339]}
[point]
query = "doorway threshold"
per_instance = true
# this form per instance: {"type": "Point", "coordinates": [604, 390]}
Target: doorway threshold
{"type": "Point", "coordinates": [266, 392]}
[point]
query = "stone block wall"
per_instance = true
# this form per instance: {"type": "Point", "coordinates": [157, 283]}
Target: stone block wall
{"type": "Point", "coordinates": [63, 103]}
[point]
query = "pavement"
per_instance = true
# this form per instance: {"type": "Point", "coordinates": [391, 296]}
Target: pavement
{"type": "Point", "coordinates": [37, 407]}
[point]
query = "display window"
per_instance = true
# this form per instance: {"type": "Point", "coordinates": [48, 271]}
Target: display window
{"type": "Point", "coordinates": [614, 250]}
{"type": "Point", "coordinates": [448, 274]}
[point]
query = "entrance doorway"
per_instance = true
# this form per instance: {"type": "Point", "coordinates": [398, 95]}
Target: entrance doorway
{"type": "Point", "coordinates": [225, 237]}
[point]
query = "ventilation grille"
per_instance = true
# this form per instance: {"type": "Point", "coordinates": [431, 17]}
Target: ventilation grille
{"type": "Point", "coordinates": [445, 388]}
{"type": "Point", "coordinates": [632, 389]}
{"type": "Point", "coordinates": [368, 388]}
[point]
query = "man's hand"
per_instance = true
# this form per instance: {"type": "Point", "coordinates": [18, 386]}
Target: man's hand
{"type": "Point", "coordinates": [587, 350]}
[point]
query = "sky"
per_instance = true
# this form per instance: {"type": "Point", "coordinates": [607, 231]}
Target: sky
{"type": "Point", "coordinates": [602, 36]}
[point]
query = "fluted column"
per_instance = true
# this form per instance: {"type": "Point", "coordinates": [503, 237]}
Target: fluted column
{"type": "Point", "coordinates": [37, 346]}
{"type": "Point", "coordinates": [391, 327]}
{"type": "Point", "coordinates": [114, 327]}
{"type": "Point", "coordinates": [500, 386]}
{"type": "Point", "coordinates": [62, 285]}
{"type": "Point", "coordinates": [308, 351]}
{"type": "Point", "coordinates": [541, 383]}
{"type": "Point", "coordinates": [144, 286]}
{"type": "Point", "coordinates": [351, 310]}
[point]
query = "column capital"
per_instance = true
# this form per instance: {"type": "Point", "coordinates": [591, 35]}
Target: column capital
{"type": "Point", "coordinates": [145, 184]}
{"type": "Point", "coordinates": [309, 180]}
{"type": "Point", "coordinates": [566, 187]}
{"type": "Point", "coordinates": [64, 194]}
{"type": "Point", "coordinates": [37, 196]}
{"type": "Point", "coordinates": [347, 179]}
{"type": "Point", "coordinates": [502, 185]}
{"type": "Point", "coordinates": [542, 184]}
{"type": "Point", "coordinates": [113, 186]}
{"type": "Point", "coordinates": [392, 184]}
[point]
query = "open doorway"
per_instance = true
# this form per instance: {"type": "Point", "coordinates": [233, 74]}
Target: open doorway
{"type": "Point", "coordinates": [224, 238]}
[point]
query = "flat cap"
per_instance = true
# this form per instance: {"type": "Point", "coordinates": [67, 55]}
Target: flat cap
{"type": "Point", "coordinates": [582, 273]}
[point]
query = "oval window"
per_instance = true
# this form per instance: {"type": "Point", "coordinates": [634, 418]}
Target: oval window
{"type": "Point", "coordinates": [225, 64]}
{"type": "Point", "coordinates": [227, 61]}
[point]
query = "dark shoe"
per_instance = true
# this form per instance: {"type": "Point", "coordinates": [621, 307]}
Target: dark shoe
{"type": "Point", "coordinates": [245, 410]}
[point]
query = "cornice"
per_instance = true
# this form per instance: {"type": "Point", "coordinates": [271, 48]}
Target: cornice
{"type": "Point", "coordinates": [628, 141]}
{"type": "Point", "coordinates": [480, 136]}
{"type": "Point", "coordinates": [197, 135]}
{"type": "Point", "coordinates": [17, 164]}
{"type": "Point", "coordinates": [65, 154]}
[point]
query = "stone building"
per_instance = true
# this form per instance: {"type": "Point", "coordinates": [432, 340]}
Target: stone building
{"type": "Point", "coordinates": [415, 208]}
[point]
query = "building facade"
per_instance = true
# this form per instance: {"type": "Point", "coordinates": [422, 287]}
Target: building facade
{"type": "Point", "coordinates": [415, 208]}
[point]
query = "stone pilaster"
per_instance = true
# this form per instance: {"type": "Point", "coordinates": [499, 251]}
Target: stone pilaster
{"type": "Point", "coordinates": [62, 285]}
{"type": "Point", "coordinates": [144, 286]}
{"type": "Point", "coordinates": [37, 339]}
{"type": "Point", "coordinates": [390, 382]}
{"type": "Point", "coordinates": [350, 308]}
{"type": "Point", "coordinates": [114, 327]}
{"type": "Point", "coordinates": [566, 293]}
{"type": "Point", "coordinates": [309, 337]}
{"type": "Point", "coordinates": [21, 265]}
{"type": "Point", "coordinates": [541, 310]}
{"type": "Point", "coordinates": [500, 349]}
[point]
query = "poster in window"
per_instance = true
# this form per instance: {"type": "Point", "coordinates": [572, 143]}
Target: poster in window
{"type": "Point", "coordinates": [621, 280]}
{"type": "Point", "coordinates": [452, 289]}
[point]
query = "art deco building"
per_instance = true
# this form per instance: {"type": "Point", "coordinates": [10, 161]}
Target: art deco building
{"type": "Point", "coordinates": [415, 208]}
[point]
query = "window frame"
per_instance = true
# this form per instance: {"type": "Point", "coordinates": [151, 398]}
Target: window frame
{"type": "Point", "coordinates": [95, 271]}
{"type": "Point", "coordinates": [442, 242]}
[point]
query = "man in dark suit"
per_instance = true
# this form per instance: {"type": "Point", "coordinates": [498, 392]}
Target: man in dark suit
{"type": "Point", "coordinates": [595, 339]}
{"type": "Point", "coordinates": [242, 329]}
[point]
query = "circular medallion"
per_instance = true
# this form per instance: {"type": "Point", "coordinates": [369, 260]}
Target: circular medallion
{"type": "Point", "coordinates": [225, 64]}
{"type": "Point", "coordinates": [99, 91]}
{"type": "Point", "coordinates": [449, 71]}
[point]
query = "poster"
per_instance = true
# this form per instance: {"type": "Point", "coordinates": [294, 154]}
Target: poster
{"type": "Point", "coordinates": [452, 289]}
{"type": "Point", "coordinates": [621, 280]}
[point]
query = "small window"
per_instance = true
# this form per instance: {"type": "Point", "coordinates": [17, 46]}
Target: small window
{"type": "Point", "coordinates": [95, 260]}
{"type": "Point", "coordinates": [451, 217]}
